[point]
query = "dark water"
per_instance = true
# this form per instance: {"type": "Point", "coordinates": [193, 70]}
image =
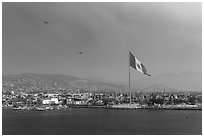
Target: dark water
{"type": "Point", "coordinates": [86, 121]}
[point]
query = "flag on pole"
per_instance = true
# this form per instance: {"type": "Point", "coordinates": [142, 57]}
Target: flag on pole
{"type": "Point", "coordinates": [136, 64]}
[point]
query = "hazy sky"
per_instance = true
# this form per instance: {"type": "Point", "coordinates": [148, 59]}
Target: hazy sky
{"type": "Point", "coordinates": [165, 37]}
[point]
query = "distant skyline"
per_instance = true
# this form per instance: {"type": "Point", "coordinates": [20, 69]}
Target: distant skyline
{"type": "Point", "coordinates": [165, 37]}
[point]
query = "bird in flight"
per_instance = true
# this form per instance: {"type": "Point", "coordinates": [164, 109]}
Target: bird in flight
{"type": "Point", "coordinates": [46, 22]}
{"type": "Point", "coordinates": [80, 52]}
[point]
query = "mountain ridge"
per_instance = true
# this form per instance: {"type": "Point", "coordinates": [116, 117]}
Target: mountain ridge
{"type": "Point", "coordinates": [187, 80]}
{"type": "Point", "coordinates": [44, 82]}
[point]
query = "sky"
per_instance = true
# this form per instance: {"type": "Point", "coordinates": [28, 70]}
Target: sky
{"type": "Point", "coordinates": [165, 37]}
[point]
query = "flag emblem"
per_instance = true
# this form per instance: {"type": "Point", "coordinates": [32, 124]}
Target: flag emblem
{"type": "Point", "coordinates": [136, 64]}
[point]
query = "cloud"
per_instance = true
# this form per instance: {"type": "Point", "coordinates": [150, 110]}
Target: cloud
{"type": "Point", "coordinates": [161, 35]}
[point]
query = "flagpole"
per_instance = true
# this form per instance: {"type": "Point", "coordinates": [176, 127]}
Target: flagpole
{"type": "Point", "coordinates": [129, 77]}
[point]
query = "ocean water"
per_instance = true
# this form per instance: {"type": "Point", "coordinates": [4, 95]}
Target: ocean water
{"type": "Point", "coordinates": [89, 121]}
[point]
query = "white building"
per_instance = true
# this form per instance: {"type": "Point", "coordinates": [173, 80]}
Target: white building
{"type": "Point", "coordinates": [55, 100]}
{"type": "Point", "coordinates": [46, 101]}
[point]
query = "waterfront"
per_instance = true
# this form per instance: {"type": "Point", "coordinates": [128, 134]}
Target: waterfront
{"type": "Point", "coordinates": [87, 121]}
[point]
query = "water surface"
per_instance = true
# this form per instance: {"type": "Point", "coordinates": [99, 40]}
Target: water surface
{"type": "Point", "coordinates": [87, 121]}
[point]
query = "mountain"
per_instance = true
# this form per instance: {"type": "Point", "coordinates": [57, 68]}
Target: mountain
{"type": "Point", "coordinates": [188, 80]}
{"type": "Point", "coordinates": [46, 82]}
{"type": "Point", "coordinates": [29, 82]}
{"type": "Point", "coordinates": [101, 79]}
{"type": "Point", "coordinates": [159, 88]}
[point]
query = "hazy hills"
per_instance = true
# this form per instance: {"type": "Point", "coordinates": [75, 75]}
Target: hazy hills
{"type": "Point", "coordinates": [187, 80]}
{"type": "Point", "coordinates": [40, 82]}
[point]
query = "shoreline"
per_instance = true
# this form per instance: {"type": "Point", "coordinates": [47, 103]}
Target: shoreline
{"type": "Point", "coordinates": [147, 108]}
{"type": "Point", "coordinates": [107, 107]}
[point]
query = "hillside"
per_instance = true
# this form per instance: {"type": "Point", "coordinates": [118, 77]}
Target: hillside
{"type": "Point", "coordinates": [188, 80]}
{"type": "Point", "coordinates": [159, 88]}
{"type": "Point", "coordinates": [29, 82]}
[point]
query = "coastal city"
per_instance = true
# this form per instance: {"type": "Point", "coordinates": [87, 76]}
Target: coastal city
{"type": "Point", "coordinates": [40, 92]}
{"type": "Point", "coordinates": [68, 99]}
{"type": "Point", "coordinates": [101, 68]}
